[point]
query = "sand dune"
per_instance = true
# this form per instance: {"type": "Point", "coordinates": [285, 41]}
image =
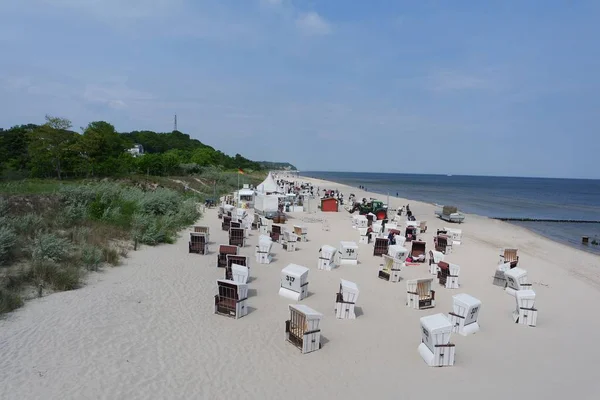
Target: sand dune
{"type": "Point", "coordinates": [146, 330]}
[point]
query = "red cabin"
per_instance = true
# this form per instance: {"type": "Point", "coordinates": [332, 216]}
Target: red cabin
{"type": "Point", "coordinates": [329, 204]}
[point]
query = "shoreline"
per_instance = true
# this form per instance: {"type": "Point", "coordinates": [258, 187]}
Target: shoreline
{"type": "Point", "coordinates": [511, 223]}
{"type": "Point", "coordinates": [589, 273]}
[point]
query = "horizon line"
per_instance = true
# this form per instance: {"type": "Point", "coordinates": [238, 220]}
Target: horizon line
{"type": "Point", "coordinates": [440, 174]}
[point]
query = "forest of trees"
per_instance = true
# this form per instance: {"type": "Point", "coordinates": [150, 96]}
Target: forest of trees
{"type": "Point", "coordinates": [55, 150]}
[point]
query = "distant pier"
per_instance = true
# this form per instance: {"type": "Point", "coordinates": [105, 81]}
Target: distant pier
{"type": "Point", "coordinates": [575, 221]}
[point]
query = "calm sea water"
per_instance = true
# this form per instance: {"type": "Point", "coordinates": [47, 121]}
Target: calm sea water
{"type": "Point", "coordinates": [543, 198]}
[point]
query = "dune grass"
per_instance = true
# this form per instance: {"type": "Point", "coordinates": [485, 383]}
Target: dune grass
{"type": "Point", "coordinates": [52, 234]}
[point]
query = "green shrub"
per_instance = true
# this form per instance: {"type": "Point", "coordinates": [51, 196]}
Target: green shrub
{"type": "Point", "coordinates": [160, 202]}
{"type": "Point", "coordinates": [48, 246]}
{"type": "Point", "coordinates": [188, 213]}
{"type": "Point", "coordinates": [4, 207]}
{"type": "Point", "coordinates": [9, 301]}
{"type": "Point", "coordinates": [77, 194]}
{"type": "Point", "coordinates": [8, 239]}
{"type": "Point", "coordinates": [112, 255]}
{"type": "Point", "coordinates": [73, 214]}
{"type": "Point", "coordinates": [148, 229]}
{"type": "Point", "coordinates": [28, 224]}
{"type": "Point", "coordinates": [80, 234]}
{"type": "Point", "coordinates": [91, 256]}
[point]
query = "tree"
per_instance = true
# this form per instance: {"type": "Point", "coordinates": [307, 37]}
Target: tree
{"type": "Point", "coordinates": [13, 146]}
{"type": "Point", "coordinates": [100, 142]}
{"type": "Point", "coordinates": [204, 157]}
{"type": "Point", "coordinates": [50, 144]}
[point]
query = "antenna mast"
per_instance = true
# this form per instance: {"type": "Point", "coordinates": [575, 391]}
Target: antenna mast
{"type": "Point", "coordinates": [175, 123]}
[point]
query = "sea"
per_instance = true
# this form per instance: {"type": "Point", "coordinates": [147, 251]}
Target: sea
{"type": "Point", "coordinates": [497, 197]}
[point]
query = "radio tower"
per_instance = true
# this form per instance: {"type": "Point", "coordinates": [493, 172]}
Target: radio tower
{"type": "Point", "coordinates": [175, 123]}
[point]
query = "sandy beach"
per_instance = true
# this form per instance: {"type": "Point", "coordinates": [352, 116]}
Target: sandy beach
{"type": "Point", "coordinates": [146, 329]}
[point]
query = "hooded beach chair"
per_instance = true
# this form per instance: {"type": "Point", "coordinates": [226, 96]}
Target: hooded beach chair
{"type": "Point", "coordinates": [198, 243]}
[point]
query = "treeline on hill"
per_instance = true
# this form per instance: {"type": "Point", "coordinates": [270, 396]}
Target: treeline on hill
{"type": "Point", "coordinates": [276, 165]}
{"type": "Point", "coordinates": [54, 150]}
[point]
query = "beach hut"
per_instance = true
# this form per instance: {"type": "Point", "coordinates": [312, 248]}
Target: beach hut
{"type": "Point", "coordinates": [326, 257]}
{"type": "Point", "coordinates": [465, 311]}
{"type": "Point", "coordinates": [255, 222]}
{"type": "Point", "coordinates": [225, 250]}
{"type": "Point", "coordinates": [348, 253]}
{"type": "Point", "coordinates": [435, 348]}
{"type": "Point", "coordinates": [361, 221]}
{"type": "Point", "coordinates": [237, 237]}
{"type": "Point", "coordinates": [417, 253]}
{"type": "Point", "coordinates": [499, 276]}
{"type": "Point", "coordinates": [228, 209]}
{"type": "Point", "coordinates": [364, 236]}
{"type": "Point", "coordinates": [263, 250]}
{"type": "Point", "coordinates": [294, 282]}
{"type": "Point", "coordinates": [410, 233]}
{"type": "Point", "coordinates": [454, 234]}
{"type": "Point", "coordinates": [265, 226]}
{"type": "Point", "coordinates": [345, 300]}
{"type": "Point", "coordinates": [239, 273]}
{"type": "Point", "coordinates": [301, 232]}
{"type": "Point", "coordinates": [226, 224]}
{"type": "Point", "coordinates": [203, 229]}
{"type": "Point", "coordinates": [247, 223]}
{"type": "Point", "coordinates": [198, 243]}
{"type": "Point", "coordinates": [419, 294]}
{"type": "Point", "coordinates": [390, 269]}
{"type": "Point", "coordinates": [443, 244]}
{"type": "Point", "coordinates": [510, 256]}
{"type": "Point", "coordinates": [230, 299]}
{"type": "Point", "coordinates": [329, 204]}
{"type": "Point", "coordinates": [276, 233]}
{"type": "Point", "coordinates": [414, 224]}
{"type": "Point", "coordinates": [371, 218]}
{"type": "Point", "coordinates": [377, 228]}
{"type": "Point", "coordinates": [289, 241]}
{"type": "Point", "coordinates": [525, 314]}
{"type": "Point", "coordinates": [448, 275]}
{"type": "Point", "coordinates": [390, 227]}
{"type": "Point", "coordinates": [516, 279]}
{"type": "Point", "coordinates": [235, 259]}
{"type": "Point", "coordinates": [302, 329]}
{"type": "Point", "coordinates": [398, 251]}
{"type": "Point", "coordinates": [434, 258]}
{"type": "Point", "coordinates": [400, 240]}
{"type": "Point", "coordinates": [381, 246]}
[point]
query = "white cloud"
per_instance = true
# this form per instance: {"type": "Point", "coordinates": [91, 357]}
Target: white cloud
{"type": "Point", "coordinates": [313, 24]}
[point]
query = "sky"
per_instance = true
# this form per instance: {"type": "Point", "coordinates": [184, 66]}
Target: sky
{"type": "Point", "coordinates": [505, 88]}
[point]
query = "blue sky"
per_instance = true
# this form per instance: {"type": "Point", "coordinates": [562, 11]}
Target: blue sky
{"type": "Point", "coordinates": [461, 87]}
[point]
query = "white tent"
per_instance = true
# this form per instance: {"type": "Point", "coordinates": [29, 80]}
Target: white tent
{"type": "Point", "coordinates": [268, 185]}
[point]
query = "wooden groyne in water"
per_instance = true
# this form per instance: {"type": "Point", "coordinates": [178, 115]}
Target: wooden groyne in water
{"type": "Point", "coordinates": [574, 221]}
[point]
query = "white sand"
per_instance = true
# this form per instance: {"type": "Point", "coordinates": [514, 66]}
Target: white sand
{"type": "Point", "coordinates": [146, 330]}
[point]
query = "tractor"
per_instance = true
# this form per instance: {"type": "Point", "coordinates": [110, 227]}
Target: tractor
{"type": "Point", "coordinates": [374, 206]}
